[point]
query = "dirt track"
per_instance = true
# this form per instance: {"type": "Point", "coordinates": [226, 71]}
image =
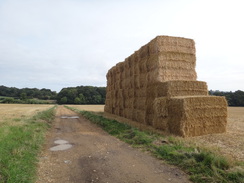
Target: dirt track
{"type": "Point", "coordinates": [98, 157]}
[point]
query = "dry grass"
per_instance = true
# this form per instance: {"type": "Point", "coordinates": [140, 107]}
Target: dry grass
{"type": "Point", "coordinates": [18, 111]}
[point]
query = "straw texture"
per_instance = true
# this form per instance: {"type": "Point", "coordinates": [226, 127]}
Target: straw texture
{"type": "Point", "coordinates": [157, 86]}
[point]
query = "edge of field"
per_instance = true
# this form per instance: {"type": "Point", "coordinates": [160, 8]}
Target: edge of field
{"type": "Point", "coordinates": [202, 164]}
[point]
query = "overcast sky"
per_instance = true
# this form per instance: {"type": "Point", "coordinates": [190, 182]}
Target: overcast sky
{"type": "Point", "coordinates": [64, 43]}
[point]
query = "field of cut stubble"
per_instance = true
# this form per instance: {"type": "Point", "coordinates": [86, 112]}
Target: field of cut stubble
{"type": "Point", "coordinates": [9, 113]}
{"type": "Point", "coordinates": [230, 144]}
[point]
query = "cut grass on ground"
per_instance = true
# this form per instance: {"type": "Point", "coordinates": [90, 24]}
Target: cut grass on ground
{"type": "Point", "coordinates": [20, 145]}
{"type": "Point", "coordinates": [202, 165]}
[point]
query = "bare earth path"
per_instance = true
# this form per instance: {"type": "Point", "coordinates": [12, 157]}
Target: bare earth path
{"type": "Point", "coordinates": [96, 156]}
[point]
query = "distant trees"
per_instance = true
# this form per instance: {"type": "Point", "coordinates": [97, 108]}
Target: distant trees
{"type": "Point", "coordinates": [27, 93]}
{"type": "Point", "coordinates": [234, 98]}
{"type": "Point", "coordinates": [82, 95]}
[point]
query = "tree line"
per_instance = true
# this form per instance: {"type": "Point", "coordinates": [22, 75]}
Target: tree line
{"type": "Point", "coordinates": [233, 98]}
{"type": "Point", "coordinates": [70, 95]}
{"type": "Point", "coordinates": [84, 95]}
{"type": "Point", "coordinates": [28, 93]}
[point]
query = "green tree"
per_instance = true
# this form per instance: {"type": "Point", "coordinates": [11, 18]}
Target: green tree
{"type": "Point", "coordinates": [23, 96]}
{"type": "Point", "coordinates": [77, 100]}
{"type": "Point", "coordinates": [63, 100]}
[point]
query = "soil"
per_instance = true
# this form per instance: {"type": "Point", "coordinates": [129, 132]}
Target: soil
{"type": "Point", "coordinates": [95, 156]}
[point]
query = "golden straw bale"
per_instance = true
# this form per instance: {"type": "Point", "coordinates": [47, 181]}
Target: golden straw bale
{"type": "Point", "coordinates": [160, 107]}
{"type": "Point", "coordinates": [171, 44]}
{"type": "Point", "coordinates": [140, 103]}
{"type": "Point", "coordinates": [160, 123]}
{"type": "Point", "coordinates": [177, 88]}
{"type": "Point", "coordinates": [143, 52]}
{"type": "Point", "coordinates": [137, 81]}
{"type": "Point", "coordinates": [149, 105]}
{"type": "Point", "coordinates": [129, 103]}
{"type": "Point", "coordinates": [131, 93]}
{"type": "Point", "coordinates": [157, 86]}
{"type": "Point", "coordinates": [141, 92]}
{"type": "Point", "coordinates": [149, 118]}
{"type": "Point", "coordinates": [143, 66]}
{"type": "Point", "coordinates": [141, 116]}
{"type": "Point", "coordinates": [143, 80]}
{"type": "Point", "coordinates": [197, 115]}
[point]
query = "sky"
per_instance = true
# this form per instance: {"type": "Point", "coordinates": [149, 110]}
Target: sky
{"type": "Point", "coordinates": [66, 43]}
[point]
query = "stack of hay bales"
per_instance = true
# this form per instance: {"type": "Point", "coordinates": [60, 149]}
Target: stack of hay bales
{"type": "Point", "coordinates": [157, 86]}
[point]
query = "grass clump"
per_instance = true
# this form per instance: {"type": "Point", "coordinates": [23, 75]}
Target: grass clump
{"type": "Point", "coordinates": [20, 145]}
{"type": "Point", "coordinates": [201, 164]}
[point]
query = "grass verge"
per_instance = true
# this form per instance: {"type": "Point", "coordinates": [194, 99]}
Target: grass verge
{"type": "Point", "coordinates": [202, 165]}
{"type": "Point", "coordinates": [20, 145]}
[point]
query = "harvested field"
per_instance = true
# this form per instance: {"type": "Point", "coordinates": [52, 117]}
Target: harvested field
{"type": "Point", "coordinates": [230, 143]}
{"type": "Point", "coordinates": [14, 111]}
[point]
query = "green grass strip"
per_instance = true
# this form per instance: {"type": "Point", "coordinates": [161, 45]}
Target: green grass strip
{"type": "Point", "coordinates": [20, 145]}
{"type": "Point", "coordinates": [200, 164]}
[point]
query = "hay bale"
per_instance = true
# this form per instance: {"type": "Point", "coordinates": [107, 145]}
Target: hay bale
{"type": "Point", "coordinates": [140, 103]}
{"type": "Point", "coordinates": [160, 107]}
{"type": "Point", "coordinates": [197, 115]}
{"type": "Point", "coordinates": [157, 86]}
{"type": "Point", "coordinates": [177, 88]}
{"type": "Point", "coordinates": [160, 123]}
{"type": "Point", "coordinates": [141, 92]}
{"type": "Point", "coordinates": [171, 44]}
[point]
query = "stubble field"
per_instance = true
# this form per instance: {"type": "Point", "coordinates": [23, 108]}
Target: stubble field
{"type": "Point", "coordinates": [11, 113]}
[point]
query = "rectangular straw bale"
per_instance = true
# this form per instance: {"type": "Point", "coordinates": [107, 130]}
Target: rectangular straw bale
{"type": "Point", "coordinates": [121, 112]}
{"type": "Point", "coordinates": [171, 44]}
{"type": "Point", "coordinates": [160, 107]}
{"type": "Point", "coordinates": [136, 68]}
{"type": "Point", "coordinates": [116, 111]}
{"type": "Point", "coordinates": [141, 92]}
{"type": "Point", "coordinates": [143, 65]}
{"type": "Point", "coordinates": [177, 56]}
{"type": "Point", "coordinates": [129, 103]}
{"type": "Point", "coordinates": [140, 103]}
{"type": "Point", "coordinates": [149, 119]}
{"type": "Point", "coordinates": [108, 108]}
{"type": "Point", "coordinates": [179, 88]}
{"type": "Point", "coordinates": [149, 105]}
{"type": "Point", "coordinates": [153, 76]}
{"type": "Point", "coordinates": [152, 63]}
{"type": "Point", "coordinates": [141, 116]}
{"type": "Point", "coordinates": [160, 123]}
{"type": "Point", "coordinates": [174, 74]}
{"type": "Point", "coordinates": [197, 115]}
{"type": "Point", "coordinates": [132, 82]}
{"type": "Point", "coordinates": [137, 81]}
{"type": "Point", "coordinates": [108, 94]}
{"type": "Point", "coordinates": [120, 94]}
{"type": "Point", "coordinates": [128, 113]}
{"type": "Point", "coordinates": [143, 80]}
{"type": "Point", "coordinates": [143, 52]}
{"type": "Point", "coordinates": [127, 82]}
{"type": "Point", "coordinates": [179, 65]}
{"type": "Point", "coordinates": [131, 93]}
